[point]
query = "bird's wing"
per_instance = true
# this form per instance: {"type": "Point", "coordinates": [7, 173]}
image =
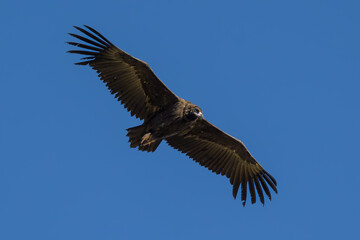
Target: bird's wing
{"type": "Point", "coordinates": [130, 79]}
{"type": "Point", "coordinates": [225, 155]}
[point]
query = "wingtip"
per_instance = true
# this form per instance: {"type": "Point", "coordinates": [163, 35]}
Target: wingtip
{"type": "Point", "coordinates": [72, 43]}
{"type": "Point", "coordinates": [82, 63]}
{"type": "Point", "coordinates": [234, 195]}
{"type": "Point", "coordinates": [271, 177]}
{"type": "Point", "coordinates": [262, 200]}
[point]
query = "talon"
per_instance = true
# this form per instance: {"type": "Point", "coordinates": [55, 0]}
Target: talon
{"type": "Point", "coordinates": [145, 139]}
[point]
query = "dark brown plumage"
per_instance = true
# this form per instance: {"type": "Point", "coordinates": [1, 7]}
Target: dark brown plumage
{"type": "Point", "coordinates": [168, 117]}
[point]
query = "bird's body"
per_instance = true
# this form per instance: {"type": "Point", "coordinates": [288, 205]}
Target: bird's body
{"type": "Point", "coordinates": [168, 117]}
{"type": "Point", "coordinates": [177, 119]}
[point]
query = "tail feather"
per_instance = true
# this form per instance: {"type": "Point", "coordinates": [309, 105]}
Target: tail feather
{"type": "Point", "coordinates": [136, 134]}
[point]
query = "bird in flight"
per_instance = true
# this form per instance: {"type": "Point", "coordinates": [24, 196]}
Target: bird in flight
{"type": "Point", "coordinates": [170, 118]}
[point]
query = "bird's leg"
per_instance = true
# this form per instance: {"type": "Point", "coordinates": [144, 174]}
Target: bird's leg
{"type": "Point", "coordinates": [147, 139]}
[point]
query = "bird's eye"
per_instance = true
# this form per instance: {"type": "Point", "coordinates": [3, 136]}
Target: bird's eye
{"type": "Point", "coordinates": [197, 110]}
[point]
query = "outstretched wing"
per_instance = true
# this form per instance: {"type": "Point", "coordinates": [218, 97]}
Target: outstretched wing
{"type": "Point", "coordinates": [130, 79]}
{"type": "Point", "coordinates": [225, 155]}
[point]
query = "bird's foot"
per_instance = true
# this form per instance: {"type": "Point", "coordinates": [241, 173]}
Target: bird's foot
{"type": "Point", "coordinates": [146, 139]}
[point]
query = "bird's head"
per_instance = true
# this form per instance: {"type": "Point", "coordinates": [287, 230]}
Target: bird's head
{"type": "Point", "coordinates": [193, 113]}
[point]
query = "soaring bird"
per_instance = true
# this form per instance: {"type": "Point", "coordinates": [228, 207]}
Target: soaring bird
{"type": "Point", "coordinates": [170, 118]}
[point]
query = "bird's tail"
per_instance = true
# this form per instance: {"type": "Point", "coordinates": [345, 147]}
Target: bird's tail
{"type": "Point", "coordinates": [139, 138]}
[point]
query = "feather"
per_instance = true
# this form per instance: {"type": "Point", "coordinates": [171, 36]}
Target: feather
{"type": "Point", "coordinates": [87, 40]}
{"type": "Point", "coordinates": [92, 36]}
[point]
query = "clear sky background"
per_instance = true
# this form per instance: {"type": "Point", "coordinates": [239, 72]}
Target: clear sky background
{"type": "Point", "coordinates": [282, 76]}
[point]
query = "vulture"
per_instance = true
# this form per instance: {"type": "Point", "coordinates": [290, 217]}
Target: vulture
{"type": "Point", "coordinates": [170, 118]}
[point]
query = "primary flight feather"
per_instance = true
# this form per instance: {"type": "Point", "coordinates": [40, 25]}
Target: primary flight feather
{"type": "Point", "coordinates": [167, 117]}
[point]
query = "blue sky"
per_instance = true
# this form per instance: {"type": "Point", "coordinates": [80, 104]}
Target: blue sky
{"type": "Point", "coordinates": [282, 76]}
